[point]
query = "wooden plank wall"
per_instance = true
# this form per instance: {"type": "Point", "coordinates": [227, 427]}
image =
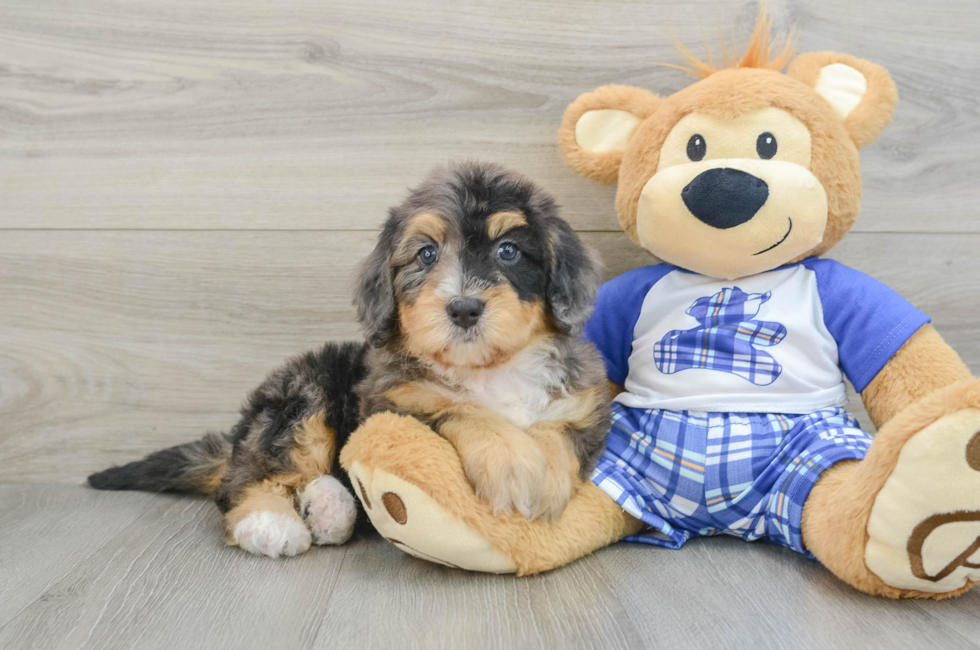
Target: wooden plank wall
{"type": "Point", "coordinates": [185, 187]}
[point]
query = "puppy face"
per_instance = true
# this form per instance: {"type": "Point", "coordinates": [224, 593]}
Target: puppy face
{"type": "Point", "coordinates": [472, 268]}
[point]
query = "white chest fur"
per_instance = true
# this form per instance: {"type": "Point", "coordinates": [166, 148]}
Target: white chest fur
{"type": "Point", "coordinates": [526, 390]}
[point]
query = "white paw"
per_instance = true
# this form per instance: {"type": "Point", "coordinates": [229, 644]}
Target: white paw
{"type": "Point", "coordinates": [272, 534]}
{"type": "Point", "coordinates": [329, 510]}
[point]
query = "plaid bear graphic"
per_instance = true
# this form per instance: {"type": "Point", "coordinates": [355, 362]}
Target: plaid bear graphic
{"type": "Point", "coordinates": [726, 340]}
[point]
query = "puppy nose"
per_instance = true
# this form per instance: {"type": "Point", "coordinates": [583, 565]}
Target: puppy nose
{"type": "Point", "coordinates": [725, 197]}
{"type": "Point", "coordinates": [465, 312]}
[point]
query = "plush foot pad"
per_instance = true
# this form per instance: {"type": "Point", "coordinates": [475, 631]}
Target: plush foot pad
{"type": "Point", "coordinates": [329, 510]}
{"type": "Point", "coordinates": [924, 530]}
{"type": "Point", "coordinates": [414, 522]}
{"type": "Point", "coordinates": [272, 534]}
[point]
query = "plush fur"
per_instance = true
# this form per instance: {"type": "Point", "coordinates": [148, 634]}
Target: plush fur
{"type": "Point", "coordinates": [517, 392]}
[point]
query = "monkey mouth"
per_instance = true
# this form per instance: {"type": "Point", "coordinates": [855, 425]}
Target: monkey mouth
{"type": "Point", "coordinates": [766, 250]}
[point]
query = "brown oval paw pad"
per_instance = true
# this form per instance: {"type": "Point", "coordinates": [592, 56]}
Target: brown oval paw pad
{"type": "Point", "coordinates": [395, 507]}
{"type": "Point", "coordinates": [973, 452]}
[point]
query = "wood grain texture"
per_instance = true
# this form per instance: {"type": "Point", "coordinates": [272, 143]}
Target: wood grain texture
{"type": "Point", "coordinates": [162, 578]}
{"type": "Point", "coordinates": [165, 580]}
{"type": "Point", "coordinates": [296, 114]}
{"type": "Point", "coordinates": [114, 344]}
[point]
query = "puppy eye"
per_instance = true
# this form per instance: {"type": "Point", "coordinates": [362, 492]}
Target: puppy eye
{"type": "Point", "coordinates": [766, 145]}
{"type": "Point", "coordinates": [696, 147]}
{"type": "Point", "coordinates": [428, 256]}
{"type": "Point", "coordinates": [508, 252]}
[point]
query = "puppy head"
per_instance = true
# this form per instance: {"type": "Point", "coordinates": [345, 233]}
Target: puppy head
{"type": "Point", "coordinates": [474, 266]}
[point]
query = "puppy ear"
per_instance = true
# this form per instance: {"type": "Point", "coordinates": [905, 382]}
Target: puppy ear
{"type": "Point", "coordinates": [861, 93]}
{"type": "Point", "coordinates": [597, 128]}
{"type": "Point", "coordinates": [374, 294]}
{"type": "Point", "coordinates": [574, 275]}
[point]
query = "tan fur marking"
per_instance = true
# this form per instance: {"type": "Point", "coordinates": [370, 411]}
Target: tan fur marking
{"type": "Point", "coordinates": [209, 483]}
{"type": "Point", "coordinates": [508, 326]}
{"type": "Point", "coordinates": [563, 467]}
{"type": "Point", "coordinates": [315, 447]}
{"type": "Point", "coordinates": [313, 456]}
{"type": "Point", "coordinates": [501, 222]}
{"type": "Point", "coordinates": [271, 495]}
{"type": "Point", "coordinates": [581, 409]}
{"type": "Point", "coordinates": [418, 398]}
{"type": "Point", "coordinates": [614, 388]}
{"type": "Point", "coordinates": [428, 224]}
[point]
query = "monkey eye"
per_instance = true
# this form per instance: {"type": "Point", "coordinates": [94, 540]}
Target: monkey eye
{"type": "Point", "coordinates": [696, 147]}
{"type": "Point", "coordinates": [766, 145]}
{"type": "Point", "coordinates": [428, 255]}
{"type": "Point", "coordinates": [508, 252]}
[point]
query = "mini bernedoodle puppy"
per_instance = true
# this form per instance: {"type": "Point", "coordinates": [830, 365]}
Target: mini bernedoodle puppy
{"type": "Point", "coordinates": [472, 303]}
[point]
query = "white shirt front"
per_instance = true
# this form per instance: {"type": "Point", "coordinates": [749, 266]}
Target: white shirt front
{"type": "Point", "coordinates": [757, 344]}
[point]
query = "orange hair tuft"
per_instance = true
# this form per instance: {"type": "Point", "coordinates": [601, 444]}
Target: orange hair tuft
{"type": "Point", "coordinates": [758, 53]}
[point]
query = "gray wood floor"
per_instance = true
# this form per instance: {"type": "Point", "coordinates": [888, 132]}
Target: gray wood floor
{"type": "Point", "coordinates": [84, 569]}
{"type": "Point", "coordinates": [185, 188]}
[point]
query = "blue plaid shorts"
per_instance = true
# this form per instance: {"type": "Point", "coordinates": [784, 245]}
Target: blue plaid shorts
{"type": "Point", "coordinates": [745, 474]}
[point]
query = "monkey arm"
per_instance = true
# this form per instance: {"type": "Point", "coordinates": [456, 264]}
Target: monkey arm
{"type": "Point", "coordinates": [924, 364]}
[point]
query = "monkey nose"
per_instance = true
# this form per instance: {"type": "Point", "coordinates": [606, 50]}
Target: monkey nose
{"type": "Point", "coordinates": [724, 197]}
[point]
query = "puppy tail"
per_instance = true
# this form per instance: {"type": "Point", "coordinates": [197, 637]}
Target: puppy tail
{"type": "Point", "coordinates": [197, 466]}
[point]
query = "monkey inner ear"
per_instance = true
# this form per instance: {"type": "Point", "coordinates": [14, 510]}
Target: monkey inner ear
{"type": "Point", "coordinates": [374, 295]}
{"type": "Point", "coordinates": [861, 93]}
{"type": "Point", "coordinates": [598, 127]}
{"type": "Point", "coordinates": [574, 275]}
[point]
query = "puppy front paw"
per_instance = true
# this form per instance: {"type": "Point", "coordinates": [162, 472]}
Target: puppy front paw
{"type": "Point", "coordinates": [558, 489]}
{"type": "Point", "coordinates": [509, 473]}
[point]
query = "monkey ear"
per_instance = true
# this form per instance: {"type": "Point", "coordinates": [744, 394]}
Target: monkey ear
{"type": "Point", "coordinates": [374, 293]}
{"type": "Point", "coordinates": [597, 128]}
{"type": "Point", "coordinates": [861, 93]}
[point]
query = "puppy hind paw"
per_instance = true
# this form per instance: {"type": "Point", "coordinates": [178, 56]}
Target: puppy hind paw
{"type": "Point", "coordinates": [329, 510]}
{"type": "Point", "coordinates": [272, 534]}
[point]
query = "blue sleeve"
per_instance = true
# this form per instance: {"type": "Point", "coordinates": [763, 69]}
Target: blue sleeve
{"type": "Point", "coordinates": [617, 308]}
{"type": "Point", "coordinates": [869, 320]}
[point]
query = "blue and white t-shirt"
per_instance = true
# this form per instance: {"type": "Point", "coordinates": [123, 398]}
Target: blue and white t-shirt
{"type": "Point", "coordinates": [776, 342]}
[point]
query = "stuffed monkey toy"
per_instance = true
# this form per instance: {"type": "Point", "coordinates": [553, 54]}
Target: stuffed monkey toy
{"type": "Point", "coordinates": [731, 355]}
